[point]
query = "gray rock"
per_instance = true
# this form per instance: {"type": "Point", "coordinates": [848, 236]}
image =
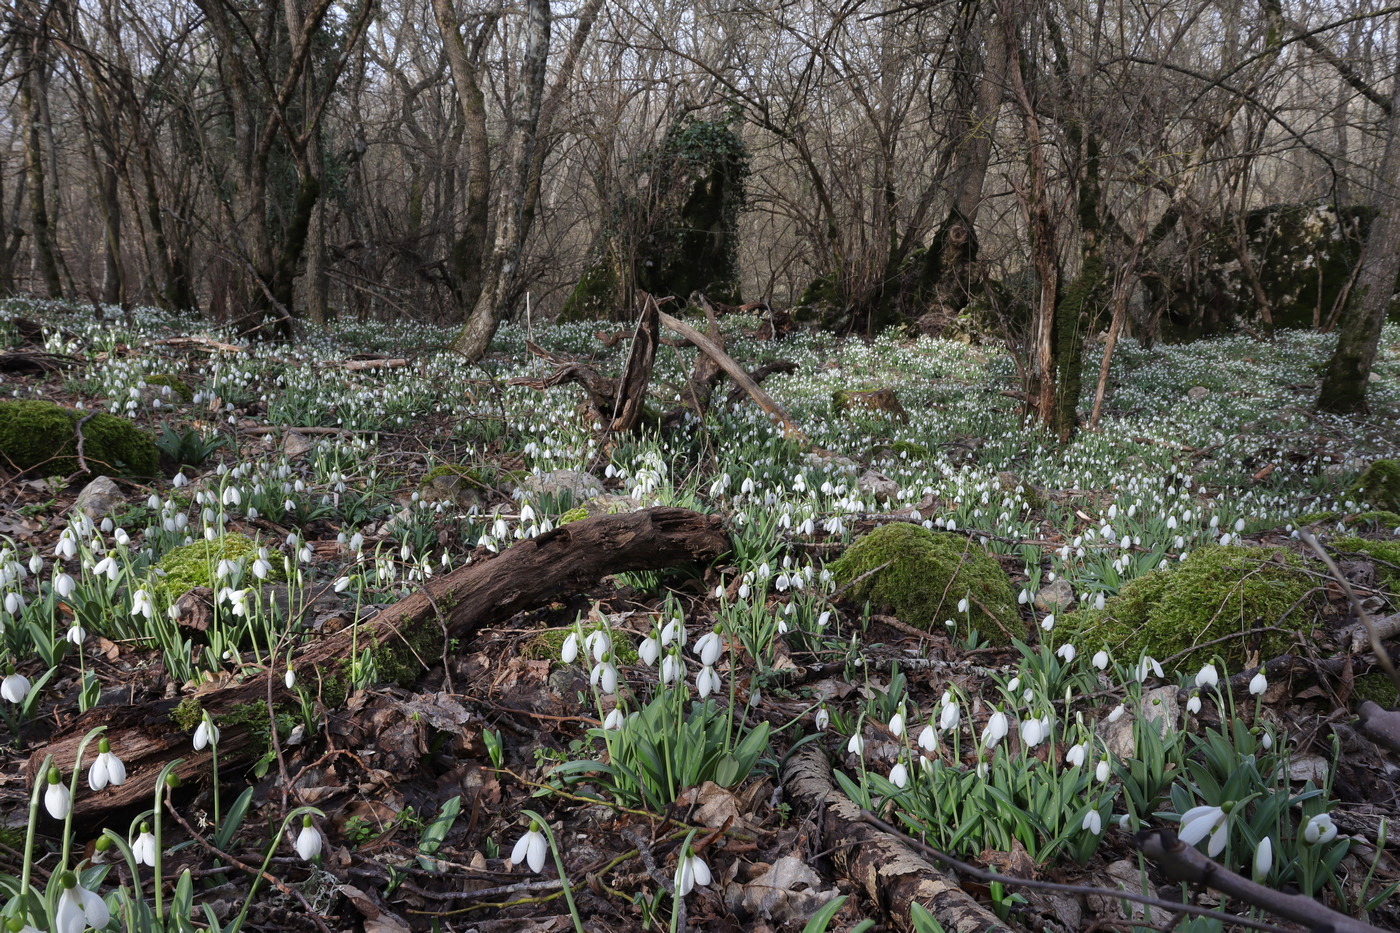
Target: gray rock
{"type": "Point", "coordinates": [457, 488]}
{"type": "Point", "coordinates": [1055, 597]}
{"type": "Point", "coordinates": [1196, 393]}
{"type": "Point", "coordinates": [876, 484]}
{"type": "Point", "coordinates": [296, 445]}
{"type": "Point", "coordinates": [99, 498]}
{"type": "Point", "coordinates": [579, 485]}
{"type": "Point", "coordinates": [1126, 876]}
{"type": "Point", "coordinates": [832, 463]}
{"type": "Point", "coordinates": [1159, 705]}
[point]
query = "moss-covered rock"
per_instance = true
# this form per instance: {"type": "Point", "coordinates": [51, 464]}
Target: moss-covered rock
{"type": "Point", "coordinates": [178, 387]}
{"type": "Point", "coordinates": [42, 436]}
{"type": "Point", "coordinates": [1379, 485]}
{"type": "Point", "coordinates": [928, 574]}
{"type": "Point", "coordinates": [595, 296]}
{"type": "Point", "coordinates": [869, 400]}
{"type": "Point", "coordinates": [1374, 521]}
{"type": "Point", "coordinates": [1215, 593]}
{"type": "Point", "coordinates": [185, 568]}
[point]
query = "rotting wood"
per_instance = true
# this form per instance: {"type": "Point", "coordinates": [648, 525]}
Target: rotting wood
{"type": "Point", "coordinates": [885, 868]}
{"type": "Point", "coordinates": [411, 635]}
{"type": "Point", "coordinates": [629, 402]}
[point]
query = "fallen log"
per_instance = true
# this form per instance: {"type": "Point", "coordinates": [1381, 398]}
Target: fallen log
{"type": "Point", "coordinates": [404, 639]}
{"type": "Point", "coordinates": [889, 873]}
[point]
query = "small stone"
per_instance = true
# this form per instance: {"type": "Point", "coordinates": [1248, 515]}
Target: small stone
{"type": "Point", "coordinates": [1126, 876]}
{"type": "Point", "coordinates": [296, 445]}
{"type": "Point", "coordinates": [1056, 596]}
{"type": "Point", "coordinates": [581, 486]}
{"type": "Point", "coordinates": [831, 463]}
{"type": "Point", "coordinates": [1196, 393]}
{"type": "Point", "coordinates": [876, 484]}
{"type": "Point", "coordinates": [99, 498]}
{"type": "Point", "coordinates": [870, 400]}
{"type": "Point", "coordinates": [1159, 705]}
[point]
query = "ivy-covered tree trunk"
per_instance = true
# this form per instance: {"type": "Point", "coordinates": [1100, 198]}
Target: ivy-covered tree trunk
{"type": "Point", "coordinates": [1349, 370]}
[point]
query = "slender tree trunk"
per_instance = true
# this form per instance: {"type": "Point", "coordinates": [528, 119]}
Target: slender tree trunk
{"type": "Point", "coordinates": [1349, 371]}
{"type": "Point", "coordinates": [31, 60]}
{"type": "Point", "coordinates": [503, 268]}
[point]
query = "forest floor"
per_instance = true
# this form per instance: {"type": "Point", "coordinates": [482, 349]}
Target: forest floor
{"type": "Point", "coordinates": [1130, 630]}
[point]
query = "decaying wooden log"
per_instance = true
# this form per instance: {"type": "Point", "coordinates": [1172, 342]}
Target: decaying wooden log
{"type": "Point", "coordinates": [629, 404]}
{"type": "Point", "coordinates": [892, 875]}
{"type": "Point", "coordinates": [405, 639]}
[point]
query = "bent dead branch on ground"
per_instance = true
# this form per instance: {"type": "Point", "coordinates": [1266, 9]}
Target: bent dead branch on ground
{"type": "Point", "coordinates": [410, 635]}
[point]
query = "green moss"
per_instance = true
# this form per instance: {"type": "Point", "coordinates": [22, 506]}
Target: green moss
{"type": "Point", "coordinates": [177, 385]}
{"type": "Point", "coordinates": [573, 515]}
{"type": "Point", "coordinates": [1377, 687]}
{"type": "Point", "coordinates": [1386, 551]}
{"type": "Point", "coordinates": [914, 451]}
{"type": "Point", "coordinates": [37, 434]}
{"type": "Point", "coordinates": [188, 714]}
{"type": "Point", "coordinates": [546, 646]}
{"type": "Point", "coordinates": [403, 657]}
{"type": "Point", "coordinates": [185, 568]}
{"type": "Point", "coordinates": [928, 574]}
{"type": "Point", "coordinates": [1379, 485]}
{"type": "Point", "coordinates": [1214, 593]}
{"type": "Point", "coordinates": [1381, 521]}
{"type": "Point", "coordinates": [1312, 518]}
{"type": "Point", "coordinates": [595, 297]}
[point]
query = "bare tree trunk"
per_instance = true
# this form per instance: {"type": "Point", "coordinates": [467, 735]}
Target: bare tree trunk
{"type": "Point", "coordinates": [1349, 371]}
{"type": "Point", "coordinates": [32, 47]}
{"type": "Point", "coordinates": [503, 268]}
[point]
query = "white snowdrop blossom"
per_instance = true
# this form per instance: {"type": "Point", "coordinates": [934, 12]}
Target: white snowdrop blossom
{"type": "Point", "coordinates": [1075, 756]}
{"type": "Point", "coordinates": [897, 724]}
{"type": "Point", "coordinates": [1199, 822]}
{"type": "Point", "coordinates": [899, 775]}
{"type": "Point", "coordinates": [604, 677]}
{"type": "Point", "coordinates": [1100, 659]}
{"type": "Point", "coordinates": [1193, 705]}
{"type": "Point", "coordinates": [569, 653]}
{"type": "Point", "coordinates": [342, 584]}
{"type": "Point", "coordinates": [1148, 666]}
{"type": "Point", "coordinates": [1102, 771]}
{"type": "Point", "coordinates": [144, 848]}
{"type": "Point", "coordinates": [649, 651]}
{"type": "Point", "coordinates": [63, 585]}
{"type": "Point", "coordinates": [672, 669]}
{"type": "Point", "coordinates": [308, 840]}
{"type": "Point", "coordinates": [57, 800]}
{"type": "Point", "coordinates": [997, 727]}
{"type": "Point", "coordinates": [1263, 859]}
{"type": "Point", "coordinates": [948, 718]}
{"type": "Point", "coordinates": [290, 678]}
{"type": "Point", "coordinates": [856, 745]}
{"type": "Point", "coordinates": [1048, 622]}
{"type": "Point", "coordinates": [531, 849]}
{"type": "Point", "coordinates": [1320, 830]}
{"type": "Point", "coordinates": [1258, 684]}
{"type": "Point", "coordinates": [1066, 651]}
{"type": "Point", "coordinates": [691, 871]}
{"type": "Point", "coordinates": [1207, 677]}
{"type": "Point", "coordinates": [206, 734]}
{"type": "Point", "coordinates": [928, 739]}
{"type": "Point", "coordinates": [1093, 822]}
{"type": "Point", "coordinates": [599, 644]}
{"type": "Point", "coordinates": [614, 719]}
{"type": "Point", "coordinates": [15, 687]}
{"type": "Point", "coordinates": [707, 682]}
{"type": "Point", "coordinates": [107, 769]}
{"type": "Point", "coordinates": [708, 648]}
{"type": "Point", "coordinates": [1117, 713]}
{"type": "Point", "coordinates": [1031, 733]}
{"type": "Point", "coordinates": [823, 719]}
{"type": "Point", "coordinates": [79, 908]}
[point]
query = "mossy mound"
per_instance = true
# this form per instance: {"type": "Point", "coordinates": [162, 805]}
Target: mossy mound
{"type": "Point", "coordinates": [928, 574]}
{"type": "Point", "coordinates": [1213, 594]}
{"type": "Point", "coordinates": [185, 568]}
{"type": "Point", "coordinates": [38, 435]}
{"type": "Point", "coordinates": [1384, 552]}
{"type": "Point", "coordinates": [1377, 687]}
{"type": "Point", "coordinates": [178, 387]}
{"type": "Point", "coordinates": [1379, 485]}
{"type": "Point", "coordinates": [1376, 521]}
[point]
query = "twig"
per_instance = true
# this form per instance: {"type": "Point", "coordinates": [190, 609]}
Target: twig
{"type": "Point", "coordinates": [82, 461]}
{"type": "Point", "coordinates": [1378, 649]}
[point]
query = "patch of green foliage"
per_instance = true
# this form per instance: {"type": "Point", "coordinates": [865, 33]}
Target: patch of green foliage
{"type": "Point", "coordinates": [1379, 485]}
{"type": "Point", "coordinates": [1215, 593]}
{"type": "Point", "coordinates": [928, 574]}
{"type": "Point", "coordinates": [178, 386]}
{"type": "Point", "coordinates": [1384, 552]}
{"type": "Point", "coordinates": [192, 565]}
{"type": "Point", "coordinates": [37, 434]}
{"type": "Point", "coordinates": [1380, 520]}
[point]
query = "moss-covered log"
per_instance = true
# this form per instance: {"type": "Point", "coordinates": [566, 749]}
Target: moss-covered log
{"type": "Point", "coordinates": [406, 639]}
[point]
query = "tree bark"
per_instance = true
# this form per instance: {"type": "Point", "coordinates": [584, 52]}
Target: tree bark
{"type": "Point", "coordinates": [1349, 370]}
{"type": "Point", "coordinates": [406, 639]}
{"type": "Point", "coordinates": [502, 271]}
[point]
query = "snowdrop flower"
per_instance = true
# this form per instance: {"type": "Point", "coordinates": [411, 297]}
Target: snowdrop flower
{"type": "Point", "coordinates": [342, 584]}
{"type": "Point", "coordinates": [108, 566]}
{"type": "Point", "coordinates": [1048, 622]}
{"type": "Point", "coordinates": [962, 604]}
{"type": "Point", "coordinates": [1118, 713]}
{"type": "Point", "coordinates": [856, 745]}
{"type": "Point", "coordinates": [899, 775]}
{"type": "Point", "coordinates": [707, 682]}
{"type": "Point", "coordinates": [1014, 685]}
{"type": "Point", "coordinates": [1320, 830]}
{"type": "Point", "coordinates": [290, 678]}
{"type": "Point", "coordinates": [823, 719]}
{"type": "Point", "coordinates": [232, 496]}
{"type": "Point", "coordinates": [308, 840]}
{"type": "Point", "coordinates": [261, 568]}
{"type": "Point", "coordinates": [948, 719]}
{"type": "Point", "coordinates": [928, 739]}
{"type": "Point", "coordinates": [672, 668]}
{"type": "Point", "coordinates": [15, 687]}
{"type": "Point", "coordinates": [79, 908]}
{"type": "Point", "coordinates": [107, 769]}
{"type": "Point", "coordinates": [599, 643]}
{"type": "Point", "coordinates": [141, 604]}
{"type": "Point", "coordinates": [1032, 732]}
{"type": "Point", "coordinates": [569, 653]}
{"type": "Point", "coordinates": [673, 632]}
{"type": "Point", "coordinates": [1198, 822]}
{"type": "Point", "coordinates": [180, 480]}
{"type": "Point", "coordinates": [207, 734]}
{"type": "Point", "coordinates": [1148, 666]}
{"type": "Point", "coordinates": [709, 648]}
{"type": "Point", "coordinates": [897, 724]}
{"type": "Point", "coordinates": [1075, 756]}
{"type": "Point", "coordinates": [614, 720]}
{"type": "Point", "coordinates": [1193, 705]}
{"type": "Point", "coordinates": [1066, 651]}
{"type": "Point", "coordinates": [63, 585]}
{"type": "Point", "coordinates": [1263, 859]}
{"type": "Point", "coordinates": [1207, 678]}
{"type": "Point", "coordinates": [1258, 684]}
{"type": "Point", "coordinates": [1102, 771]}
{"type": "Point", "coordinates": [1101, 659]}
{"type": "Point", "coordinates": [57, 800]}
{"type": "Point", "coordinates": [649, 650]}
{"type": "Point", "coordinates": [690, 871]}
{"type": "Point", "coordinates": [604, 677]}
{"type": "Point", "coordinates": [997, 727]}
{"type": "Point", "coordinates": [1093, 822]}
{"type": "Point", "coordinates": [144, 848]}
